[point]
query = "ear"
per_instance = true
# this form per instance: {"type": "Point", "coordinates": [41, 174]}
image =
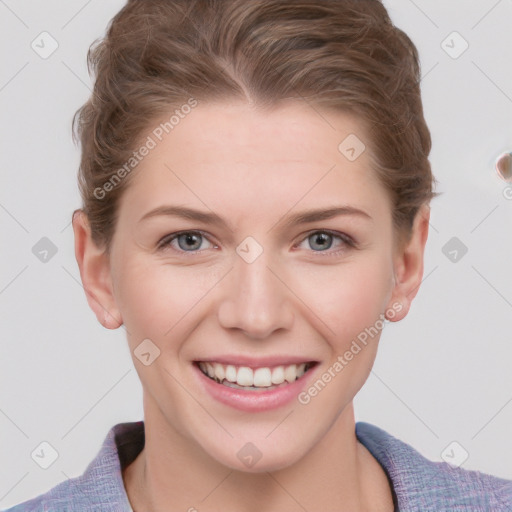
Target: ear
{"type": "Point", "coordinates": [94, 265]}
{"type": "Point", "coordinates": [408, 266]}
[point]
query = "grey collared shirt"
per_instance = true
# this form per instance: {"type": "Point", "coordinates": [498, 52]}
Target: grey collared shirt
{"type": "Point", "coordinates": [419, 485]}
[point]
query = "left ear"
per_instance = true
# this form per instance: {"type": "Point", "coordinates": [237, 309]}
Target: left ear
{"type": "Point", "coordinates": [408, 266]}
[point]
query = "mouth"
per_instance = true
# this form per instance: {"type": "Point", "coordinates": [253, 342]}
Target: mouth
{"type": "Point", "coordinates": [256, 379]}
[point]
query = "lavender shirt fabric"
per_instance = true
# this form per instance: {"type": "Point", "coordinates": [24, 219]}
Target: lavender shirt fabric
{"type": "Point", "coordinates": [419, 485]}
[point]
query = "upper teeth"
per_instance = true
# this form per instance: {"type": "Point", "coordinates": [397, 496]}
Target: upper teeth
{"type": "Point", "coordinates": [257, 377]}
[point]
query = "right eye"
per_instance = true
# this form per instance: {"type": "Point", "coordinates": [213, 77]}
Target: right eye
{"type": "Point", "coordinates": [186, 241]}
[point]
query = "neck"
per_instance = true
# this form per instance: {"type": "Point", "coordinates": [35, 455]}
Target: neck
{"type": "Point", "coordinates": [173, 473]}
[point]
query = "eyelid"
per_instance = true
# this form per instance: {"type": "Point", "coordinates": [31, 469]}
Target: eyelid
{"type": "Point", "coordinates": [346, 239]}
{"type": "Point", "coordinates": [165, 242]}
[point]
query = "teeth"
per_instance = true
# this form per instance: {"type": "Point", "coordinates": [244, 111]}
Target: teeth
{"type": "Point", "coordinates": [230, 373]}
{"type": "Point", "coordinates": [278, 375]}
{"type": "Point", "coordinates": [290, 373]}
{"type": "Point", "coordinates": [263, 378]}
{"type": "Point", "coordinates": [249, 377]}
{"type": "Point", "coordinates": [219, 372]}
{"type": "Point", "coordinates": [210, 370]}
{"type": "Point", "coordinates": [245, 376]}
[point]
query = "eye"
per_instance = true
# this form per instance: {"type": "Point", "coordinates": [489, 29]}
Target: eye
{"type": "Point", "coordinates": [186, 241]}
{"type": "Point", "coordinates": [322, 241]}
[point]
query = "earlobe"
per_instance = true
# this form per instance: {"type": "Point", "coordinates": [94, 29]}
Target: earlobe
{"type": "Point", "coordinates": [94, 266]}
{"type": "Point", "coordinates": [408, 266]}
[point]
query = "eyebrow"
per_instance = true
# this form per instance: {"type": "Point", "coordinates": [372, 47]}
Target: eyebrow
{"type": "Point", "coordinates": [304, 217]}
{"type": "Point", "coordinates": [186, 213]}
{"type": "Point", "coordinates": [318, 214]}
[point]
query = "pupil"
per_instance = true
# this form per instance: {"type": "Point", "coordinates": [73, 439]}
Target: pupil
{"type": "Point", "coordinates": [320, 241]}
{"type": "Point", "coordinates": [189, 241]}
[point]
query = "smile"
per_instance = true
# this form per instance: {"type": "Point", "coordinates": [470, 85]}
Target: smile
{"type": "Point", "coordinates": [247, 378]}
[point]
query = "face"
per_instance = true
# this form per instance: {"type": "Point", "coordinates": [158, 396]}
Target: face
{"type": "Point", "coordinates": [248, 246]}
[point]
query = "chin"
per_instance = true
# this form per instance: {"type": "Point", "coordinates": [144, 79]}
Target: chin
{"type": "Point", "coordinates": [256, 457]}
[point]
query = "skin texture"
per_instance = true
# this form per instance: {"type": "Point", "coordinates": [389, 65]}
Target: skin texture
{"type": "Point", "coordinates": [256, 170]}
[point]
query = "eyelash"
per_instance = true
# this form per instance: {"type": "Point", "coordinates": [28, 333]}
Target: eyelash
{"type": "Point", "coordinates": [347, 242]}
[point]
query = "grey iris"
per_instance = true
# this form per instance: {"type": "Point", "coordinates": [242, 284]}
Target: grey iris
{"type": "Point", "coordinates": [189, 241]}
{"type": "Point", "coordinates": [320, 241]}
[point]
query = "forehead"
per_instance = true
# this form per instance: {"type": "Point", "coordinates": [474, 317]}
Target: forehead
{"type": "Point", "coordinates": [225, 155]}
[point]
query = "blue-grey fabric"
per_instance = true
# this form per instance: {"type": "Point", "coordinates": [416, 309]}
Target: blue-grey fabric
{"type": "Point", "coordinates": [419, 485]}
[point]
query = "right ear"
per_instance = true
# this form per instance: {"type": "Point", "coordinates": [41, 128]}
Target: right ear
{"type": "Point", "coordinates": [94, 265]}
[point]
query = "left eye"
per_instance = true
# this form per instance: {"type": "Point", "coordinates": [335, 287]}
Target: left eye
{"type": "Point", "coordinates": [321, 241]}
{"type": "Point", "coordinates": [187, 241]}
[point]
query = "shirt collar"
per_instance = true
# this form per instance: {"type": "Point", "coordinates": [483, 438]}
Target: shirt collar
{"type": "Point", "coordinates": [414, 480]}
{"type": "Point", "coordinates": [125, 441]}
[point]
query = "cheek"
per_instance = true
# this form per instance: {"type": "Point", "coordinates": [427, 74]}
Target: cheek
{"type": "Point", "coordinates": [154, 298]}
{"type": "Point", "coordinates": [350, 299]}
{"type": "Point", "coordinates": [347, 298]}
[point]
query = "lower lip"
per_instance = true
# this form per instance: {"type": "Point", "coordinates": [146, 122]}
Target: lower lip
{"type": "Point", "coordinates": [254, 401]}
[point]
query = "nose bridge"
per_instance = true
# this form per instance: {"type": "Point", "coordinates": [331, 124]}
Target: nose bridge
{"type": "Point", "coordinates": [255, 301]}
{"type": "Point", "coordinates": [256, 282]}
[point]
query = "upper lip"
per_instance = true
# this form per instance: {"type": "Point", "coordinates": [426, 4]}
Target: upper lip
{"type": "Point", "coordinates": [256, 362]}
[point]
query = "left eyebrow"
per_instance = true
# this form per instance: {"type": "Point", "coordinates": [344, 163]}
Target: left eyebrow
{"type": "Point", "coordinates": [315, 215]}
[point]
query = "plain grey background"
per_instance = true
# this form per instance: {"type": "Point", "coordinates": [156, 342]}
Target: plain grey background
{"type": "Point", "coordinates": [442, 375]}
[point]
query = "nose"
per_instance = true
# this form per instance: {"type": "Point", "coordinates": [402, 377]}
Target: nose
{"type": "Point", "coordinates": [255, 300]}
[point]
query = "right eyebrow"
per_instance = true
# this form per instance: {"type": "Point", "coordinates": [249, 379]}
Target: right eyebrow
{"type": "Point", "coordinates": [185, 213]}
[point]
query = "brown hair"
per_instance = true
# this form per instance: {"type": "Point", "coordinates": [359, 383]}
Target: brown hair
{"type": "Point", "coordinates": [343, 54]}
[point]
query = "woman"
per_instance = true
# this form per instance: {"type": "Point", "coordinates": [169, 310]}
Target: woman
{"type": "Point", "coordinates": [256, 189]}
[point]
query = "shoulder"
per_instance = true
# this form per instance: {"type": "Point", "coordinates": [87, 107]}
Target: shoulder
{"type": "Point", "coordinates": [100, 487]}
{"type": "Point", "coordinates": [421, 484]}
{"type": "Point", "coordinates": [68, 496]}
